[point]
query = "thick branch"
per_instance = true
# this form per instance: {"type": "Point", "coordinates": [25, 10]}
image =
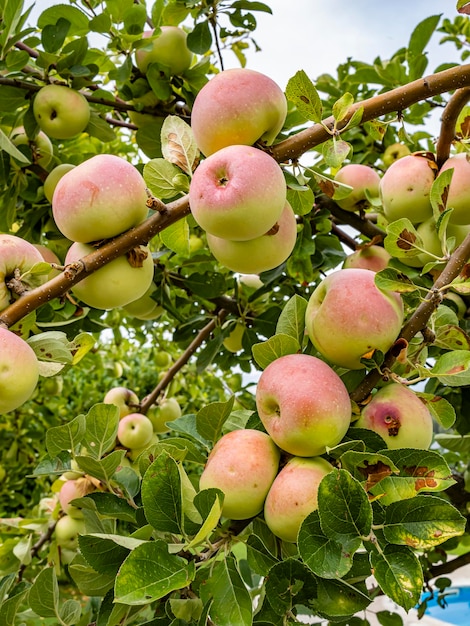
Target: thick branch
{"type": "Point", "coordinates": [392, 101]}
{"type": "Point", "coordinates": [449, 120]}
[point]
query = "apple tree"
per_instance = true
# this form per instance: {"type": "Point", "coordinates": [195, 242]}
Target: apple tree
{"type": "Point", "coordinates": [234, 330]}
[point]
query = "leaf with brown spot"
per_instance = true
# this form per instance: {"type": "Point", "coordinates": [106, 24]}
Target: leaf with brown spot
{"type": "Point", "coordinates": [178, 144]}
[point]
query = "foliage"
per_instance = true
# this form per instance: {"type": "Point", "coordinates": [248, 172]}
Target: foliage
{"type": "Point", "coordinates": [156, 550]}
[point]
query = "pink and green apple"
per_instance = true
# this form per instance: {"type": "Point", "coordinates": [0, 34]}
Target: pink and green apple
{"type": "Point", "coordinates": [125, 399]}
{"type": "Point", "coordinates": [19, 371]}
{"type": "Point", "coordinates": [348, 317]}
{"type": "Point", "coordinates": [458, 197]}
{"type": "Point", "coordinates": [237, 106]}
{"type": "Point", "coordinates": [242, 464]}
{"type": "Point", "coordinates": [364, 181]}
{"type": "Point", "coordinates": [369, 257]}
{"type": "Point", "coordinates": [73, 489]}
{"type": "Point", "coordinates": [303, 404]}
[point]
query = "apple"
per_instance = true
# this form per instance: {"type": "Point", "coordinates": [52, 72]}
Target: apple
{"type": "Point", "coordinates": [134, 453]}
{"type": "Point", "coordinates": [41, 146]}
{"type": "Point", "coordinates": [458, 197]}
{"type": "Point", "coordinates": [162, 359]}
{"type": "Point", "coordinates": [72, 489]}
{"type": "Point", "coordinates": [167, 47]}
{"type": "Point", "coordinates": [147, 100]}
{"type": "Point", "coordinates": [368, 257]}
{"type": "Point", "coordinates": [405, 188]}
{"type": "Point", "coordinates": [49, 257]}
{"type": "Point", "coordinates": [99, 199]}
{"type": "Point", "coordinates": [67, 530]}
{"type": "Point", "coordinates": [458, 303]}
{"type": "Point", "coordinates": [428, 232]}
{"type": "Point", "coordinates": [242, 464]}
{"type": "Point", "coordinates": [53, 178]}
{"type": "Point", "coordinates": [145, 307]}
{"type": "Point", "coordinates": [19, 371]}
{"type": "Point", "coordinates": [303, 404]}
{"type": "Point", "coordinates": [18, 256]}
{"type": "Point", "coordinates": [61, 112]}
{"type": "Point", "coordinates": [233, 341]}
{"type": "Point", "coordinates": [114, 285]}
{"type": "Point", "coordinates": [135, 430]}
{"type": "Point", "coordinates": [365, 183]}
{"type": "Point", "coordinates": [237, 193]}
{"type": "Point", "coordinates": [348, 317]}
{"type": "Point", "coordinates": [125, 399]}
{"type": "Point", "coordinates": [398, 415]}
{"type": "Point", "coordinates": [294, 495]}
{"type": "Point", "coordinates": [237, 106]}
{"type": "Point", "coordinates": [167, 410]}
{"type": "Point", "coordinates": [393, 152]}
{"type": "Point", "coordinates": [262, 253]}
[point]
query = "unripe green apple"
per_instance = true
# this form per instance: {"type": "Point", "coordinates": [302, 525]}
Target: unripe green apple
{"type": "Point", "coordinates": [60, 111]}
{"type": "Point", "coordinates": [260, 253]}
{"type": "Point", "coordinates": [237, 193]}
{"type": "Point", "coordinates": [371, 257]}
{"type": "Point", "coordinates": [168, 47]}
{"type": "Point", "coordinates": [19, 371]}
{"type": "Point", "coordinates": [243, 464]}
{"type": "Point", "coordinates": [348, 317]}
{"type": "Point", "coordinates": [428, 232]}
{"type": "Point", "coordinates": [167, 411]}
{"type": "Point", "coordinates": [162, 359]}
{"type": "Point", "coordinates": [135, 430]}
{"type": "Point", "coordinates": [148, 100]}
{"type": "Point", "coordinates": [17, 254]}
{"type": "Point", "coordinates": [458, 197]}
{"type": "Point", "coordinates": [398, 415]}
{"type": "Point", "coordinates": [294, 495]}
{"type": "Point", "coordinates": [237, 106]}
{"type": "Point", "coordinates": [99, 199]}
{"type": "Point", "coordinates": [41, 145]}
{"type": "Point", "coordinates": [53, 178]}
{"type": "Point", "coordinates": [365, 183]}
{"type": "Point", "coordinates": [394, 152]}
{"type": "Point", "coordinates": [114, 285]}
{"type": "Point", "coordinates": [405, 188]}
{"type": "Point", "coordinates": [134, 453]}
{"type": "Point", "coordinates": [125, 399]}
{"type": "Point", "coordinates": [233, 341]}
{"type": "Point", "coordinates": [67, 530]}
{"type": "Point", "coordinates": [303, 404]}
{"type": "Point", "coordinates": [145, 307]}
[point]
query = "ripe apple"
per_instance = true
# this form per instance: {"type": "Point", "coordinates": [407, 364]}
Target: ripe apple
{"type": "Point", "coordinates": [371, 257]}
{"type": "Point", "coordinates": [243, 464]}
{"type": "Point", "coordinates": [459, 196]}
{"type": "Point", "coordinates": [262, 253]}
{"type": "Point", "coordinates": [398, 415]}
{"type": "Point", "coordinates": [19, 371]}
{"type": "Point", "coordinates": [114, 285]}
{"type": "Point", "coordinates": [53, 178]}
{"type": "Point", "coordinates": [41, 146]}
{"type": "Point", "coordinates": [348, 317]}
{"type": "Point", "coordinates": [67, 530]}
{"type": "Point", "coordinates": [135, 430]}
{"type": "Point", "coordinates": [393, 152]}
{"type": "Point", "coordinates": [17, 256]}
{"type": "Point", "coordinates": [237, 193]}
{"type": "Point", "coordinates": [99, 199]}
{"type": "Point", "coordinates": [125, 399]}
{"type": "Point", "coordinates": [405, 188]}
{"type": "Point", "coordinates": [237, 106]}
{"type": "Point", "coordinates": [294, 495]}
{"type": "Point", "coordinates": [168, 410]}
{"type": "Point", "coordinates": [167, 47]}
{"type": "Point", "coordinates": [72, 489]}
{"type": "Point", "coordinates": [303, 404]}
{"type": "Point", "coordinates": [233, 341]}
{"type": "Point", "coordinates": [49, 257]}
{"type": "Point", "coordinates": [364, 182]}
{"type": "Point", "coordinates": [60, 111]}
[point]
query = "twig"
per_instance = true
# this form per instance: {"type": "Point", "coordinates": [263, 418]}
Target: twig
{"type": "Point", "coordinates": [449, 119]}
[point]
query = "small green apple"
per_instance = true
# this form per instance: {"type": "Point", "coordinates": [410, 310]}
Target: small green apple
{"type": "Point", "coordinates": [125, 399]}
{"type": "Point", "coordinates": [394, 152]}
{"type": "Point", "coordinates": [41, 146]}
{"type": "Point", "coordinates": [60, 111]}
{"type": "Point", "coordinates": [167, 411]}
{"type": "Point", "coordinates": [135, 431]}
{"type": "Point", "coordinates": [233, 342]}
{"type": "Point", "coordinates": [67, 530]}
{"type": "Point", "coordinates": [167, 47]}
{"type": "Point", "coordinates": [53, 178]}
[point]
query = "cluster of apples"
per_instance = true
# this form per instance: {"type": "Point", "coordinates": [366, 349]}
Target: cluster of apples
{"type": "Point", "coordinates": [238, 193]}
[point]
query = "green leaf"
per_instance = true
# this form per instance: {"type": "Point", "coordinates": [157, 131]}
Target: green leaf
{"type": "Point", "coordinates": [160, 177]}
{"type": "Point", "coordinates": [441, 409]}
{"type": "Point", "coordinates": [301, 91]}
{"type": "Point", "coordinates": [211, 418]}
{"type": "Point", "coordinates": [66, 437]}
{"type": "Point", "coordinates": [422, 522]}
{"type": "Point", "coordinates": [77, 19]}
{"type": "Point", "coordinates": [291, 322]}
{"type": "Point", "coordinates": [402, 239]}
{"type": "Point", "coordinates": [344, 509]}
{"type": "Point", "coordinates": [394, 280]}
{"type": "Point", "coordinates": [276, 346]}
{"type": "Point", "coordinates": [335, 152]}
{"type": "Point", "coordinates": [199, 40]}
{"type": "Point", "coordinates": [399, 574]}
{"type": "Point", "coordinates": [225, 590]}
{"type": "Point", "coordinates": [439, 193]}
{"type": "Point", "coordinates": [102, 422]}
{"type": "Point", "coordinates": [102, 469]}
{"type": "Point", "coordinates": [70, 612]}
{"type": "Point", "coordinates": [102, 553]}
{"type": "Point", "coordinates": [89, 581]}
{"type": "Point", "coordinates": [342, 106]}
{"type": "Point", "coordinates": [176, 237]}
{"type": "Point", "coordinates": [337, 598]}
{"type": "Point", "coordinates": [418, 41]}
{"type": "Point", "coordinates": [161, 495]}
{"type": "Point", "coordinates": [211, 518]}
{"type": "Point", "coordinates": [13, 605]}
{"type": "Point", "coordinates": [452, 368]}
{"type": "Point", "coordinates": [178, 143]}
{"type": "Point", "coordinates": [288, 583]}
{"type": "Point", "coordinates": [44, 594]}
{"type": "Point", "coordinates": [325, 556]}
{"type": "Point", "coordinates": [456, 443]}
{"type": "Point", "coordinates": [259, 558]}
{"type": "Point", "coordinates": [150, 573]}
{"type": "Point", "coordinates": [112, 506]}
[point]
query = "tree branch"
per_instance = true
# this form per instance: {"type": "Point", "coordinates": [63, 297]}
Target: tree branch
{"type": "Point", "coordinates": [449, 120]}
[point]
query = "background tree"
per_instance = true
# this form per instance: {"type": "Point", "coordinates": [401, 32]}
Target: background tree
{"type": "Point", "coordinates": [94, 531]}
